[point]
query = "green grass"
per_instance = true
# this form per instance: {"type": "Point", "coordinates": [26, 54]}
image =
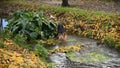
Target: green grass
{"type": "Point", "coordinates": [97, 57]}
{"type": "Point", "coordinates": [110, 41]}
{"type": "Point", "coordinates": [117, 46]}
{"type": "Point", "coordinates": [2, 44]}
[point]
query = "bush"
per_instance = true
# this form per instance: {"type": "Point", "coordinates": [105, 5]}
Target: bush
{"type": "Point", "coordinates": [32, 25]}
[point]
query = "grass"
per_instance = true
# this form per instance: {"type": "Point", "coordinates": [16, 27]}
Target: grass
{"type": "Point", "coordinates": [97, 57]}
{"type": "Point", "coordinates": [1, 44]}
{"type": "Point", "coordinates": [109, 41]}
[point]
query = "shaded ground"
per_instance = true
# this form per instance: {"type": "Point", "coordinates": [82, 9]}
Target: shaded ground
{"type": "Point", "coordinates": [112, 7]}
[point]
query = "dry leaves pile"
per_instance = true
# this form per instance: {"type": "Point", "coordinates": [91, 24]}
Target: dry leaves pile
{"type": "Point", "coordinates": [15, 57]}
{"type": "Point", "coordinates": [66, 49]}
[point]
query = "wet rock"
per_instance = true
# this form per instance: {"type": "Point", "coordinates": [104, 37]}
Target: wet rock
{"type": "Point", "coordinates": [58, 57]}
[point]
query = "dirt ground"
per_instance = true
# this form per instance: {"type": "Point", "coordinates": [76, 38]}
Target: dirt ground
{"type": "Point", "coordinates": [112, 7]}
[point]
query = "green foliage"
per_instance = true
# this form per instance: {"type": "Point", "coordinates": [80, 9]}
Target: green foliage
{"type": "Point", "coordinates": [88, 33]}
{"type": "Point", "coordinates": [70, 54]}
{"type": "Point", "coordinates": [52, 65]}
{"type": "Point", "coordinates": [19, 39]}
{"type": "Point", "coordinates": [1, 45]}
{"type": "Point", "coordinates": [40, 50]}
{"type": "Point", "coordinates": [5, 33]}
{"type": "Point", "coordinates": [109, 41]}
{"type": "Point", "coordinates": [96, 57]}
{"type": "Point", "coordinates": [93, 57]}
{"type": "Point", "coordinates": [117, 46]}
{"type": "Point", "coordinates": [32, 25]}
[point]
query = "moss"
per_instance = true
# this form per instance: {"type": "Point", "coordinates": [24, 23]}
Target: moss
{"type": "Point", "coordinates": [71, 55]}
{"type": "Point", "coordinates": [92, 57]}
{"type": "Point", "coordinates": [96, 57]}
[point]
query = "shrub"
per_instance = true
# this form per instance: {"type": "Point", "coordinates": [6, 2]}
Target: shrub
{"type": "Point", "coordinates": [32, 25]}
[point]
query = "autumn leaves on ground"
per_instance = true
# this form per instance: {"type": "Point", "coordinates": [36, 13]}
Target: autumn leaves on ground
{"type": "Point", "coordinates": [24, 47]}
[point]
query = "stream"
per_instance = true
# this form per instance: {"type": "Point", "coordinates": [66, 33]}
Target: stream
{"type": "Point", "coordinates": [92, 55]}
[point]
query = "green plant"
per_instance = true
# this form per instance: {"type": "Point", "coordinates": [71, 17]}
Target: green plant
{"type": "Point", "coordinates": [19, 39]}
{"type": "Point", "coordinates": [5, 33]}
{"type": "Point", "coordinates": [70, 54]}
{"type": "Point", "coordinates": [32, 25]}
{"type": "Point", "coordinates": [52, 65]}
{"type": "Point", "coordinates": [88, 33]}
{"type": "Point", "coordinates": [117, 46]}
{"type": "Point", "coordinates": [109, 41]}
{"type": "Point", "coordinates": [96, 57]}
{"type": "Point", "coordinates": [40, 50]}
{"type": "Point", "coordinates": [1, 45]}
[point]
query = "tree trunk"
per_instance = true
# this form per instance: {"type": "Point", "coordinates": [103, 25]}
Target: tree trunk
{"type": "Point", "coordinates": [65, 3]}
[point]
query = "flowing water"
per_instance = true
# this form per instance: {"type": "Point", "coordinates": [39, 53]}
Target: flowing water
{"type": "Point", "coordinates": [92, 55]}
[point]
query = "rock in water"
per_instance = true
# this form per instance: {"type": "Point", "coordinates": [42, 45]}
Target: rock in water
{"type": "Point", "coordinates": [58, 58]}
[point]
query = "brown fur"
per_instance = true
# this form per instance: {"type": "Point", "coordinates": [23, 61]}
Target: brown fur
{"type": "Point", "coordinates": [62, 36]}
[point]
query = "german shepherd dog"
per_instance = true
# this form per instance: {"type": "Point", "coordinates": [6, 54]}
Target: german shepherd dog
{"type": "Point", "coordinates": [61, 32]}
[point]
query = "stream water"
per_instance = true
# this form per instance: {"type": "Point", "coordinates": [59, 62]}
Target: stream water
{"type": "Point", "coordinates": [92, 55]}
